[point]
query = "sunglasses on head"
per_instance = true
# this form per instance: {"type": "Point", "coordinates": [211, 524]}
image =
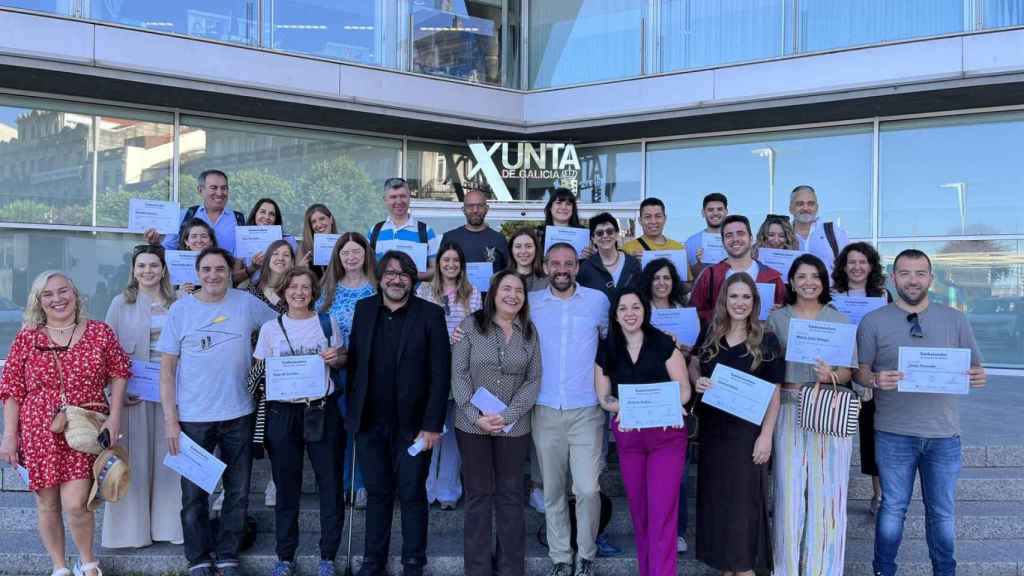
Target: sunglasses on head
{"type": "Point", "coordinates": [915, 326]}
{"type": "Point", "coordinates": [395, 182]}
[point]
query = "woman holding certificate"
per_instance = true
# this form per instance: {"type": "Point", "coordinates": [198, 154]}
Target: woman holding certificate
{"type": "Point", "coordinates": [733, 532]}
{"type": "Point", "coordinates": [303, 420]}
{"type": "Point", "coordinates": [151, 509]}
{"type": "Point", "coordinates": [652, 459]}
{"type": "Point", "coordinates": [318, 220]}
{"type": "Point", "coordinates": [811, 469]}
{"type": "Point", "coordinates": [279, 260]}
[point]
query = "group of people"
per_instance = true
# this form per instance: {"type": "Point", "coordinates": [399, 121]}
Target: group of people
{"type": "Point", "coordinates": [437, 391]}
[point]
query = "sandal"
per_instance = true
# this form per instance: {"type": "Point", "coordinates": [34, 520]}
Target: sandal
{"type": "Point", "coordinates": [84, 569]}
{"type": "Point", "coordinates": [60, 572]}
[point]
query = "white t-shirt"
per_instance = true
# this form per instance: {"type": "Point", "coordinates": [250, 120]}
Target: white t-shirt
{"type": "Point", "coordinates": [307, 338]}
{"type": "Point", "coordinates": [752, 271]}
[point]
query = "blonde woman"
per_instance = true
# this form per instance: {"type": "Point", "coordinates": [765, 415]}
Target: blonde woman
{"type": "Point", "coordinates": [776, 232]}
{"type": "Point", "coordinates": [317, 220]}
{"type": "Point", "coordinates": [450, 289]}
{"type": "Point", "coordinates": [151, 510]}
{"type": "Point", "coordinates": [60, 354]}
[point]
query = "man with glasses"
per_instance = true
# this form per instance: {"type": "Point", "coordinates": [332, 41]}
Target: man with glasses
{"type": "Point", "coordinates": [402, 227]}
{"type": "Point", "coordinates": [213, 188]}
{"type": "Point", "coordinates": [479, 242]}
{"type": "Point", "coordinates": [399, 372]}
{"type": "Point", "coordinates": [915, 433]}
{"type": "Point", "coordinates": [823, 239]}
{"type": "Point", "coordinates": [714, 210]}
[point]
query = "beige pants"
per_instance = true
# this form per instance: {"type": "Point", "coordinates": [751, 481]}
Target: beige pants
{"type": "Point", "coordinates": [570, 441]}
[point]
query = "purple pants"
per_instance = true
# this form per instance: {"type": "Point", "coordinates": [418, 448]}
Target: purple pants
{"type": "Point", "coordinates": [653, 462]}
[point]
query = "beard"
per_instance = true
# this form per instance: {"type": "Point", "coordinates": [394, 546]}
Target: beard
{"type": "Point", "coordinates": [912, 301]}
{"type": "Point", "coordinates": [805, 218]}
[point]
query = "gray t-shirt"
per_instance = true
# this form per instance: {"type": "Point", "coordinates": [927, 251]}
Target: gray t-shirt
{"type": "Point", "coordinates": [778, 322]}
{"type": "Point", "coordinates": [213, 342]}
{"type": "Point", "coordinates": [879, 337]}
{"type": "Point", "coordinates": [486, 245]}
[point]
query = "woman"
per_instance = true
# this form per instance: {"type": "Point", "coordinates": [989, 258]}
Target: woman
{"type": "Point", "coordinates": [652, 460]}
{"type": "Point", "coordinates": [197, 235]}
{"type": "Point", "coordinates": [733, 532]}
{"type": "Point", "coordinates": [776, 232]}
{"type": "Point", "coordinates": [59, 357]}
{"type": "Point", "coordinates": [858, 272]}
{"type": "Point", "coordinates": [500, 353]}
{"type": "Point", "coordinates": [811, 470]}
{"type": "Point", "coordinates": [280, 260]}
{"type": "Point", "coordinates": [561, 210]}
{"type": "Point", "coordinates": [318, 220]}
{"type": "Point", "coordinates": [527, 259]}
{"type": "Point", "coordinates": [450, 289]}
{"type": "Point", "coordinates": [151, 510]}
{"type": "Point", "coordinates": [302, 332]}
{"type": "Point", "coordinates": [608, 269]}
{"type": "Point", "coordinates": [349, 278]}
{"type": "Point", "coordinates": [265, 212]}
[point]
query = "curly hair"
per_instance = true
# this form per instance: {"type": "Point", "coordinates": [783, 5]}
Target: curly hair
{"type": "Point", "coordinates": [875, 285]}
{"type": "Point", "coordinates": [646, 284]}
{"type": "Point", "coordinates": [787, 230]}
{"type": "Point", "coordinates": [721, 321]}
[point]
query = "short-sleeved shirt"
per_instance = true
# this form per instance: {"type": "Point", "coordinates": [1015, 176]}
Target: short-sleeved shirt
{"type": "Point", "coordinates": [669, 244]}
{"type": "Point", "coordinates": [213, 341]}
{"type": "Point", "coordinates": [487, 245]}
{"type": "Point", "coordinates": [649, 367]}
{"type": "Point", "coordinates": [410, 232]}
{"type": "Point", "coordinates": [223, 229]}
{"type": "Point", "coordinates": [816, 243]}
{"type": "Point", "coordinates": [879, 337]}
{"type": "Point", "coordinates": [778, 323]}
{"type": "Point", "coordinates": [305, 337]}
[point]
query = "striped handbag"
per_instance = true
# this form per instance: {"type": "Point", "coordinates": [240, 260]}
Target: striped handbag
{"type": "Point", "coordinates": [830, 411]}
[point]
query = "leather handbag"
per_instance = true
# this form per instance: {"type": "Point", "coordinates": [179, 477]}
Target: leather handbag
{"type": "Point", "coordinates": [831, 411]}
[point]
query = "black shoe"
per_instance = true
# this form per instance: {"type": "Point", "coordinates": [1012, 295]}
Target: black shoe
{"type": "Point", "coordinates": [584, 567]}
{"type": "Point", "coordinates": [370, 569]}
{"type": "Point", "coordinates": [561, 569]}
{"type": "Point", "coordinates": [411, 570]}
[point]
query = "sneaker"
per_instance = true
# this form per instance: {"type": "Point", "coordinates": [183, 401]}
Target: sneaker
{"type": "Point", "coordinates": [561, 569]}
{"type": "Point", "coordinates": [87, 569]}
{"type": "Point", "coordinates": [229, 570]}
{"type": "Point", "coordinates": [681, 545]}
{"type": "Point", "coordinates": [448, 505]}
{"type": "Point", "coordinates": [537, 500]}
{"type": "Point", "coordinates": [283, 568]}
{"type": "Point", "coordinates": [326, 568]}
{"type": "Point", "coordinates": [361, 499]}
{"type": "Point", "coordinates": [605, 549]}
{"type": "Point", "coordinates": [270, 496]}
{"type": "Point", "coordinates": [585, 567]}
{"type": "Point", "coordinates": [218, 502]}
{"type": "Point", "coordinates": [202, 570]}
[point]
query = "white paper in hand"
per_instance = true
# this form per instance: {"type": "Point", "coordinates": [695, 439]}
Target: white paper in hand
{"type": "Point", "coordinates": [196, 464]}
{"type": "Point", "coordinates": [489, 404]}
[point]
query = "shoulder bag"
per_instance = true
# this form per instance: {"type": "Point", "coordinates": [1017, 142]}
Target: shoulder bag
{"type": "Point", "coordinates": [830, 411]}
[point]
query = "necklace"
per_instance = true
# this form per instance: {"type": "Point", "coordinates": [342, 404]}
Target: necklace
{"type": "Point", "coordinates": [61, 329]}
{"type": "Point", "coordinates": [70, 337]}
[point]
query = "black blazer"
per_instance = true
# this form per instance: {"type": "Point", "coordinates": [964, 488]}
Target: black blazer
{"type": "Point", "coordinates": [424, 366]}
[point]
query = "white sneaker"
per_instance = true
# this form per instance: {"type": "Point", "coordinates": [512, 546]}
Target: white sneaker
{"type": "Point", "coordinates": [218, 502]}
{"type": "Point", "coordinates": [537, 500]}
{"type": "Point", "coordinates": [681, 545]}
{"type": "Point", "coordinates": [270, 496]}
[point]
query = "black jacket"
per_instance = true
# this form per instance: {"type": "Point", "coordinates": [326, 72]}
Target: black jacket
{"type": "Point", "coordinates": [424, 366]}
{"type": "Point", "coordinates": [594, 275]}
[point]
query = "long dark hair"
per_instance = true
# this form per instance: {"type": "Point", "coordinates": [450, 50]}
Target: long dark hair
{"type": "Point", "coordinates": [538, 252]}
{"type": "Point", "coordinates": [616, 340]}
{"type": "Point", "coordinates": [484, 316]}
{"type": "Point", "coordinates": [875, 285]}
{"type": "Point", "coordinates": [463, 289]}
{"type": "Point", "coordinates": [562, 194]}
{"type": "Point", "coordinates": [278, 219]}
{"type": "Point", "coordinates": [810, 260]}
{"type": "Point", "coordinates": [677, 296]}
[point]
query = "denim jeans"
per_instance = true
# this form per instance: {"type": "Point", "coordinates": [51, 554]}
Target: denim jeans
{"type": "Point", "coordinates": [899, 460]}
{"type": "Point", "coordinates": [234, 437]}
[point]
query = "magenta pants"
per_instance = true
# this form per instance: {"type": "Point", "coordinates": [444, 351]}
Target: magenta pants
{"type": "Point", "coordinates": [653, 462]}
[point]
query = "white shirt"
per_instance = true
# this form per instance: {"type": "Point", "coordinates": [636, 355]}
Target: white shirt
{"type": "Point", "coordinates": [569, 331]}
{"type": "Point", "coordinates": [816, 242]}
{"type": "Point", "coordinates": [752, 271]}
{"type": "Point", "coordinates": [306, 336]}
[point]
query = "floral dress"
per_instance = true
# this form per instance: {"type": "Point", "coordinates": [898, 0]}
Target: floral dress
{"type": "Point", "coordinates": [343, 306]}
{"type": "Point", "coordinates": [30, 377]}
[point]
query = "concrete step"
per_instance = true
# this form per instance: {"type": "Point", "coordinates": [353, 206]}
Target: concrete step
{"type": "Point", "coordinates": [974, 484]}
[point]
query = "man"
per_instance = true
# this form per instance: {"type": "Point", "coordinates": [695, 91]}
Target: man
{"type": "Point", "coordinates": [568, 423]}
{"type": "Point", "coordinates": [608, 269]}
{"type": "Point", "coordinates": [914, 432]}
{"type": "Point", "coordinates": [652, 220]}
{"type": "Point", "coordinates": [213, 188]}
{"type": "Point", "coordinates": [737, 239]}
{"type": "Point", "coordinates": [479, 242]}
{"type": "Point", "coordinates": [400, 225]}
{"type": "Point", "coordinates": [824, 241]}
{"type": "Point", "coordinates": [207, 350]}
{"type": "Point", "coordinates": [714, 210]}
{"type": "Point", "coordinates": [398, 381]}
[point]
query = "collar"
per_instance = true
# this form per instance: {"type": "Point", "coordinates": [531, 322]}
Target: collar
{"type": "Point", "coordinates": [549, 295]}
{"type": "Point", "coordinates": [388, 222]}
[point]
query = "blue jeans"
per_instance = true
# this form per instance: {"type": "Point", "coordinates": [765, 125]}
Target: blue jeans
{"type": "Point", "coordinates": [899, 460]}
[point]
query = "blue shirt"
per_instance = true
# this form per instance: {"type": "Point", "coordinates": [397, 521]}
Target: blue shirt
{"type": "Point", "coordinates": [224, 228]}
{"type": "Point", "coordinates": [408, 233]}
{"type": "Point", "coordinates": [694, 243]}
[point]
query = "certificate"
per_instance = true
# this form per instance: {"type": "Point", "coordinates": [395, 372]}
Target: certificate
{"type": "Point", "coordinates": [778, 259]}
{"type": "Point", "coordinates": [740, 394]}
{"type": "Point", "coordinates": [416, 250]}
{"type": "Point", "coordinates": [677, 257]}
{"type": "Point", "coordinates": [809, 340]}
{"type": "Point", "coordinates": [323, 245]}
{"type": "Point", "coordinates": [489, 404]}
{"type": "Point", "coordinates": [181, 265]}
{"type": "Point", "coordinates": [144, 214]}
{"type": "Point", "coordinates": [712, 248]}
{"type": "Point", "coordinates": [679, 322]}
{"type": "Point", "coordinates": [650, 405]}
{"type": "Point", "coordinates": [857, 307]}
{"type": "Point", "coordinates": [252, 239]}
{"type": "Point", "coordinates": [767, 292]}
{"type": "Point", "coordinates": [578, 238]}
{"type": "Point", "coordinates": [145, 381]}
{"type": "Point", "coordinates": [479, 274]}
{"type": "Point", "coordinates": [22, 473]}
{"type": "Point", "coordinates": [196, 464]}
{"type": "Point", "coordinates": [934, 370]}
{"type": "Point", "coordinates": [296, 377]}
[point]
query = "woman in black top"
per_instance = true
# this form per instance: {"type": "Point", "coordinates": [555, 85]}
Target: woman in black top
{"type": "Point", "coordinates": [732, 472]}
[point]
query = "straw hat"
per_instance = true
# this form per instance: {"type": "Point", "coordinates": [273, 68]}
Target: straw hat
{"type": "Point", "coordinates": [111, 477]}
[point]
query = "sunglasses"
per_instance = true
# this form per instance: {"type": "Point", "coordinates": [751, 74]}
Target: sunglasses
{"type": "Point", "coordinates": [395, 182]}
{"type": "Point", "coordinates": [915, 326]}
{"type": "Point", "coordinates": [777, 217]}
{"type": "Point", "coordinates": [602, 232]}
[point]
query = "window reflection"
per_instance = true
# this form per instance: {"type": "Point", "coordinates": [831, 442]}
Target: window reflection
{"type": "Point", "coordinates": [826, 24]}
{"type": "Point", "coordinates": [349, 31]}
{"type": "Point", "coordinates": [699, 33]}
{"type": "Point", "coordinates": [441, 172]}
{"type": "Point", "coordinates": [999, 13]}
{"type": "Point", "coordinates": [224, 20]}
{"type": "Point", "coordinates": [607, 174]}
{"type": "Point", "coordinates": [65, 7]}
{"type": "Point", "coordinates": [457, 38]}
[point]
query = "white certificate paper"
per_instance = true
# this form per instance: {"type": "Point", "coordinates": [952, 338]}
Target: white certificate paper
{"type": "Point", "coordinates": [934, 370]}
{"type": "Point", "coordinates": [679, 322]}
{"type": "Point", "coordinates": [144, 214]}
{"type": "Point", "coordinates": [740, 394]}
{"type": "Point", "coordinates": [650, 405]}
{"type": "Point", "coordinates": [578, 238]}
{"type": "Point", "coordinates": [489, 404]}
{"type": "Point", "coordinates": [252, 239]}
{"type": "Point", "coordinates": [777, 259]}
{"type": "Point", "coordinates": [767, 292]}
{"type": "Point", "coordinates": [831, 341]}
{"type": "Point", "coordinates": [145, 381]}
{"type": "Point", "coordinates": [323, 245]}
{"type": "Point", "coordinates": [712, 249]}
{"type": "Point", "coordinates": [181, 265]}
{"type": "Point", "coordinates": [678, 258]}
{"type": "Point", "coordinates": [479, 274]}
{"type": "Point", "coordinates": [416, 250]}
{"type": "Point", "coordinates": [196, 464]}
{"type": "Point", "coordinates": [295, 377]}
{"type": "Point", "coordinates": [857, 307]}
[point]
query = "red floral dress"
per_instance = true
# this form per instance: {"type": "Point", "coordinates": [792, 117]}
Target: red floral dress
{"type": "Point", "coordinates": [30, 377]}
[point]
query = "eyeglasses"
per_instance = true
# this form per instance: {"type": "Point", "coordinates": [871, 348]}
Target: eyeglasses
{"type": "Point", "coordinates": [396, 274]}
{"type": "Point", "coordinates": [602, 232]}
{"type": "Point", "coordinates": [395, 183]}
{"type": "Point", "coordinates": [915, 326]}
{"type": "Point", "coordinates": [148, 249]}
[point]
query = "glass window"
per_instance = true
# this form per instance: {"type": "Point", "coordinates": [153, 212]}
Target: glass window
{"type": "Point", "coordinates": [65, 7]}
{"type": "Point", "coordinates": [294, 167]}
{"type": "Point", "coordinates": [135, 157]}
{"type": "Point", "coordinates": [985, 280]}
{"type": "Point", "coordinates": [574, 41]}
{"type": "Point", "coordinates": [458, 38]}
{"type": "Point", "coordinates": [441, 172]}
{"type": "Point", "coordinates": [999, 13]}
{"type": "Point", "coordinates": [350, 31]}
{"type": "Point", "coordinates": [826, 24]}
{"type": "Point", "coordinates": [607, 174]}
{"type": "Point", "coordinates": [950, 176]}
{"type": "Point", "coordinates": [699, 33]}
{"type": "Point", "coordinates": [224, 20]}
